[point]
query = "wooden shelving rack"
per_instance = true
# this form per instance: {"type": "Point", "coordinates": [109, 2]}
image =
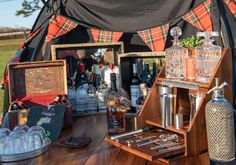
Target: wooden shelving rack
{"type": "Point", "coordinates": [194, 133]}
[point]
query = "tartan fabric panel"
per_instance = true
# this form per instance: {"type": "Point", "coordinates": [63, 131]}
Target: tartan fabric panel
{"type": "Point", "coordinates": [102, 36]}
{"type": "Point", "coordinates": [200, 16]}
{"type": "Point", "coordinates": [59, 26]}
{"type": "Point", "coordinates": [232, 6]}
{"type": "Point", "coordinates": [30, 36]}
{"type": "Point", "coordinates": [155, 37]}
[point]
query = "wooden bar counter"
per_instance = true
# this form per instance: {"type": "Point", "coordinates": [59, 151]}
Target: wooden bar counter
{"type": "Point", "coordinates": [96, 153]}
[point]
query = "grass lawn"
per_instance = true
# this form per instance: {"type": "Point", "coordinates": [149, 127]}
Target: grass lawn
{"type": "Point", "coordinates": [8, 50]}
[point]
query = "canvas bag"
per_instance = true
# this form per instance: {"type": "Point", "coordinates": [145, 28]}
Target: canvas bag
{"type": "Point", "coordinates": [49, 117]}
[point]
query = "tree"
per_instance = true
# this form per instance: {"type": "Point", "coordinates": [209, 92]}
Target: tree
{"type": "Point", "coordinates": [28, 7]}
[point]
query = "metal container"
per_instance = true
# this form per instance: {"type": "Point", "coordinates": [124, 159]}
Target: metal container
{"type": "Point", "coordinates": [220, 126]}
{"type": "Point", "coordinates": [179, 123]}
{"type": "Point", "coordinates": [170, 111]}
{"type": "Point", "coordinates": [195, 99]}
{"type": "Point", "coordinates": [163, 103]}
{"type": "Point", "coordinates": [163, 93]}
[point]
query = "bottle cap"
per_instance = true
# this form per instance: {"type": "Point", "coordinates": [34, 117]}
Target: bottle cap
{"type": "Point", "coordinates": [81, 68]}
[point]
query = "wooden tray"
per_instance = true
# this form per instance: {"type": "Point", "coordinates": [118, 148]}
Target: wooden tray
{"type": "Point", "coordinates": [145, 151]}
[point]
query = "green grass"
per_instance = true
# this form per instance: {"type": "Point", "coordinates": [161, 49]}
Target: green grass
{"type": "Point", "coordinates": [8, 50]}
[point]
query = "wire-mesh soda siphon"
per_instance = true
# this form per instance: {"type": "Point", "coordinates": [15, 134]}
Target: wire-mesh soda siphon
{"type": "Point", "coordinates": [175, 57]}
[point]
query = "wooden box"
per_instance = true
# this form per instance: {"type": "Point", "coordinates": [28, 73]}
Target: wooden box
{"type": "Point", "coordinates": [35, 84]}
{"type": "Point", "coordinates": [194, 133]}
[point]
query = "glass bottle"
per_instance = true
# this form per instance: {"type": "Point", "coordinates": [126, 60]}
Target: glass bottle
{"type": "Point", "coordinates": [101, 94]}
{"type": "Point", "coordinates": [220, 126]}
{"type": "Point", "coordinates": [134, 87]}
{"type": "Point", "coordinates": [81, 77]}
{"type": "Point", "coordinates": [206, 57]}
{"type": "Point", "coordinates": [81, 99]}
{"type": "Point", "coordinates": [175, 57]}
{"type": "Point", "coordinates": [115, 109]}
{"type": "Point", "coordinates": [92, 98]}
{"type": "Point", "coordinates": [146, 76]}
{"type": "Point", "coordinates": [140, 101]}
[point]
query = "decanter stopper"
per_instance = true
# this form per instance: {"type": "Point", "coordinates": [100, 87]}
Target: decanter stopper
{"type": "Point", "coordinates": [176, 32]}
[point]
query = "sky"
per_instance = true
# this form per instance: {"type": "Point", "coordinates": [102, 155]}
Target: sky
{"type": "Point", "coordinates": [9, 19]}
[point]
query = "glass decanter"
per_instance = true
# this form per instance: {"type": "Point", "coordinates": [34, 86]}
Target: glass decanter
{"type": "Point", "coordinates": [175, 57]}
{"type": "Point", "coordinates": [206, 57]}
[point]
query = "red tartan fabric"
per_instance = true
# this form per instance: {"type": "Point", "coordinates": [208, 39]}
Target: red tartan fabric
{"type": "Point", "coordinates": [59, 26]}
{"type": "Point", "coordinates": [200, 16]}
{"type": "Point", "coordinates": [232, 6]}
{"type": "Point", "coordinates": [101, 36]}
{"type": "Point", "coordinates": [30, 37]}
{"type": "Point", "coordinates": [155, 37]}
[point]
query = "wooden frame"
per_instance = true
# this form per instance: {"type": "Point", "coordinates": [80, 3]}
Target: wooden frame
{"type": "Point", "coordinates": [126, 60]}
{"type": "Point", "coordinates": [117, 48]}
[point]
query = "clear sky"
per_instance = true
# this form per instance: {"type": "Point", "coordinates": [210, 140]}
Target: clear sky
{"type": "Point", "coordinates": [9, 19]}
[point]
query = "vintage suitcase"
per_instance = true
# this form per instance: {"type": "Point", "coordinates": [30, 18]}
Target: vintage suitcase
{"type": "Point", "coordinates": [37, 84]}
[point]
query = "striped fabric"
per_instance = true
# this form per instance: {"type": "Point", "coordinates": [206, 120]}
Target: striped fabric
{"type": "Point", "coordinates": [232, 6]}
{"type": "Point", "coordinates": [102, 36]}
{"type": "Point", "coordinates": [155, 37]}
{"type": "Point", "coordinates": [30, 37]}
{"type": "Point", "coordinates": [200, 16]}
{"type": "Point", "coordinates": [59, 26]}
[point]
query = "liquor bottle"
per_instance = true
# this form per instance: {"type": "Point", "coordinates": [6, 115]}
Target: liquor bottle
{"type": "Point", "coordinates": [115, 110]}
{"type": "Point", "coordinates": [92, 98]}
{"type": "Point", "coordinates": [206, 57]}
{"type": "Point", "coordinates": [81, 77]}
{"type": "Point", "coordinates": [154, 72]}
{"type": "Point", "coordinates": [175, 57]}
{"type": "Point", "coordinates": [146, 76]}
{"type": "Point", "coordinates": [134, 87]}
{"type": "Point", "coordinates": [105, 73]}
{"type": "Point", "coordinates": [81, 98]}
{"type": "Point", "coordinates": [72, 94]}
{"type": "Point", "coordinates": [140, 101]}
{"type": "Point", "coordinates": [96, 76]}
{"type": "Point", "coordinates": [101, 94]}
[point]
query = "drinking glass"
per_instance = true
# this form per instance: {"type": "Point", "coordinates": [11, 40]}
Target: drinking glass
{"type": "Point", "coordinates": [34, 140]}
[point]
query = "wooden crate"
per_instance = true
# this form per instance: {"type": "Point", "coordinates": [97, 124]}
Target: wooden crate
{"type": "Point", "coordinates": [37, 83]}
{"type": "Point", "coordinates": [194, 133]}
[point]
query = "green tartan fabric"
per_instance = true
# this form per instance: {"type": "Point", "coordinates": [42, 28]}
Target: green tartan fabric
{"type": "Point", "coordinates": [200, 16]}
{"type": "Point", "coordinates": [232, 6]}
{"type": "Point", "coordinates": [102, 36]}
{"type": "Point", "coordinates": [58, 26]}
{"type": "Point", "coordinates": [155, 37]}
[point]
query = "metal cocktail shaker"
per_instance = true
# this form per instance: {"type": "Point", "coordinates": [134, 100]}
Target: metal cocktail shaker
{"type": "Point", "coordinates": [163, 92]}
{"type": "Point", "coordinates": [195, 99]}
{"type": "Point", "coordinates": [170, 109]}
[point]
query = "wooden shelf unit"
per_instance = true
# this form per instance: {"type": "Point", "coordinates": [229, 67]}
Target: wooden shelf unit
{"type": "Point", "coordinates": [194, 133]}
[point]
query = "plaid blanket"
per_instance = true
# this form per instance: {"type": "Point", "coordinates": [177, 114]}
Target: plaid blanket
{"type": "Point", "coordinates": [155, 37]}
{"type": "Point", "coordinates": [200, 16]}
{"type": "Point", "coordinates": [232, 6]}
{"type": "Point", "coordinates": [102, 36]}
{"type": "Point", "coordinates": [59, 26]}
